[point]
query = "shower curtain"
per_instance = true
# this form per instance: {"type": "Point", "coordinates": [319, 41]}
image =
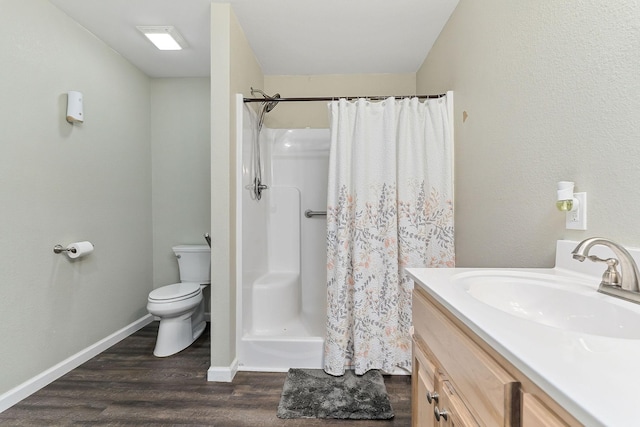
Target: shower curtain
{"type": "Point", "coordinates": [389, 207]}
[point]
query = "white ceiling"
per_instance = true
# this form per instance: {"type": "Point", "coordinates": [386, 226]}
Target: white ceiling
{"type": "Point", "coordinates": [288, 37]}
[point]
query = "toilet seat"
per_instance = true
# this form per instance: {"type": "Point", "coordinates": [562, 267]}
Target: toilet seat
{"type": "Point", "coordinates": [175, 292]}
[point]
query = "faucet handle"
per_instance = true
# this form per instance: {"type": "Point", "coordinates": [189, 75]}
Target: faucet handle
{"type": "Point", "coordinates": [611, 277]}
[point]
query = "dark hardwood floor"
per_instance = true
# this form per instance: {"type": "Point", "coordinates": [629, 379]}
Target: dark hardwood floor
{"type": "Point", "coordinates": [127, 385]}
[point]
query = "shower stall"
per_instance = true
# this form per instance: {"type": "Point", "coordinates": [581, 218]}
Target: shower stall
{"type": "Point", "coordinates": [281, 252]}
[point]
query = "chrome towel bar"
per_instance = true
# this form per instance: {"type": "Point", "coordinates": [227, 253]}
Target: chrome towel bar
{"type": "Point", "coordinates": [309, 213]}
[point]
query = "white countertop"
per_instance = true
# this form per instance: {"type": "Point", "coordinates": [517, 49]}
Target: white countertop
{"type": "Point", "coordinates": [595, 378]}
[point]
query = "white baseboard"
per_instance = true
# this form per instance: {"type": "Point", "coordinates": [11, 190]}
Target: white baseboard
{"type": "Point", "coordinates": [223, 374]}
{"type": "Point", "coordinates": [34, 384]}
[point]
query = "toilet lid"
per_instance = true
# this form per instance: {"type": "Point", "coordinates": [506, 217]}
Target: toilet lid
{"type": "Point", "coordinates": [177, 291]}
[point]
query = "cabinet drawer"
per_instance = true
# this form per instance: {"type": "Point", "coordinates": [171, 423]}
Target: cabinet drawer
{"type": "Point", "coordinates": [483, 384]}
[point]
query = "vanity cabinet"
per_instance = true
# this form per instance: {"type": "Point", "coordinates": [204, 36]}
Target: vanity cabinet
{"type": "Point", "coordinates": [458, 380]}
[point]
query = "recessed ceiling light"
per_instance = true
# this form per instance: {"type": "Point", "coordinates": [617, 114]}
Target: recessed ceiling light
{"type": "Point", "coordinates": [164, 37]}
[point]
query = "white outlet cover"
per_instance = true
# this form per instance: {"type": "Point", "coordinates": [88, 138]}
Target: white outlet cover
{"type": "Point", "coordinates": [577, 220]}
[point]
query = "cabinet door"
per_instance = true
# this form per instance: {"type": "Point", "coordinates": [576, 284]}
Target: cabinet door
{"type": "Point", "coordinates": [423, 389]}
{"type": "Point", "coordinates": [535, 414]}
{"type": "Point", "coordinates": [451, 410]}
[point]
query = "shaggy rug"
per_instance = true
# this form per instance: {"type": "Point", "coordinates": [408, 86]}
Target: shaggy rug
{"type": "Point", "coordinates": [312, 393]}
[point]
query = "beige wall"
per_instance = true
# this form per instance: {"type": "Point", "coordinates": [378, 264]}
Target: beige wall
{"type": "Point", "coordinates": [181, 169]}
{"type": "Point", "coordinates": [61, 183]}
{"type": "Point", "coordinates": [296, 115]}
{"type": "Point", "coordinates": [234, 69]}
{"type": "Point", "coordinates": [552, 93]}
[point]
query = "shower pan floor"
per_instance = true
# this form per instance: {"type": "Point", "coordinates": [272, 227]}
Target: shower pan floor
{"type": "Point", "coordinates": [294, 345]}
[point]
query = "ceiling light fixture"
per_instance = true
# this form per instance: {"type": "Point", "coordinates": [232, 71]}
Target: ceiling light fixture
{"type": "Point", "coordinates": [164, 37]}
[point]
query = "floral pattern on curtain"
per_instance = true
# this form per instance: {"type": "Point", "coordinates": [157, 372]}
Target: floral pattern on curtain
{"type": "Point", "coordinates": [389, 207]}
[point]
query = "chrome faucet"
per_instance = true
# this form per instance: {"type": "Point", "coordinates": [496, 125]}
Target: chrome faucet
{"type": "Point", "coordinates": [623, 284]}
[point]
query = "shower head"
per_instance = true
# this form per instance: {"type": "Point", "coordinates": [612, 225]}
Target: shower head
{"type": "Point", "coordinates": [270, 102]}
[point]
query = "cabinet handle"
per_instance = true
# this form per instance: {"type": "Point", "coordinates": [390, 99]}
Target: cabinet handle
{"type": "Point", "coordinates": [440, 413]}
{"type": "Point", "coordinates": [432, 397]}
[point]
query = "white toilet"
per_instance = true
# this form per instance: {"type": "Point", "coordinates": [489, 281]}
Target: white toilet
{"type": "Point", "coordinates": [180, 306]}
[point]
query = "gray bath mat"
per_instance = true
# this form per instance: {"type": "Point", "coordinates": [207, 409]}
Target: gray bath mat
{"type": "Point", "coordinates": [312, 393]}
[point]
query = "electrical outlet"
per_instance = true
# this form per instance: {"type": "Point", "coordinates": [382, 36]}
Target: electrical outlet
{"type": "Point", "coordinates": [577, 219]}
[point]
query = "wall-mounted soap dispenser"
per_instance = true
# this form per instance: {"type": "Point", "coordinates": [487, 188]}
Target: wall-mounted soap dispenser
{"type": "Point", "coordinates": [74, 107]}
{"type": "Point", "coordinates": [574, 204]}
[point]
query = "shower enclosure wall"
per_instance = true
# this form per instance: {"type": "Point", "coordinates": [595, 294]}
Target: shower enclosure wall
{"type": "Point", "coordinates": [281, 254]}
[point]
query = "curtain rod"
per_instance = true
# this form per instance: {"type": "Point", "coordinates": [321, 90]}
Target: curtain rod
{"type": "Point", "coordinates": [348, 98]}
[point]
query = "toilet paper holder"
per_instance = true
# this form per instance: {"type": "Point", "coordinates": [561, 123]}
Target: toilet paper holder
{"type": "Point", "coordinates": [75, 250]}
{"type": "Point", "coordinates": [59, 249]}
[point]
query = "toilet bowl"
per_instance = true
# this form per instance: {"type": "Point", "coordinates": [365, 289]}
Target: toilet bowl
{"type": "Point", "coordinates": [180, 306]}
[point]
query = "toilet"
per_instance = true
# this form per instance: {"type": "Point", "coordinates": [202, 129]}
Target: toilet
{"type": "Point", "coordinates": [180, 306]}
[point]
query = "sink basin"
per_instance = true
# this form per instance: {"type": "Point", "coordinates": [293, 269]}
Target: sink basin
{"type": "Point", "coordinates": [560, 302]}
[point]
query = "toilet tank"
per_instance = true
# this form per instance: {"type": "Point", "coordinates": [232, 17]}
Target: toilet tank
{"type": "Point", "coordinates": [194, 262]}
